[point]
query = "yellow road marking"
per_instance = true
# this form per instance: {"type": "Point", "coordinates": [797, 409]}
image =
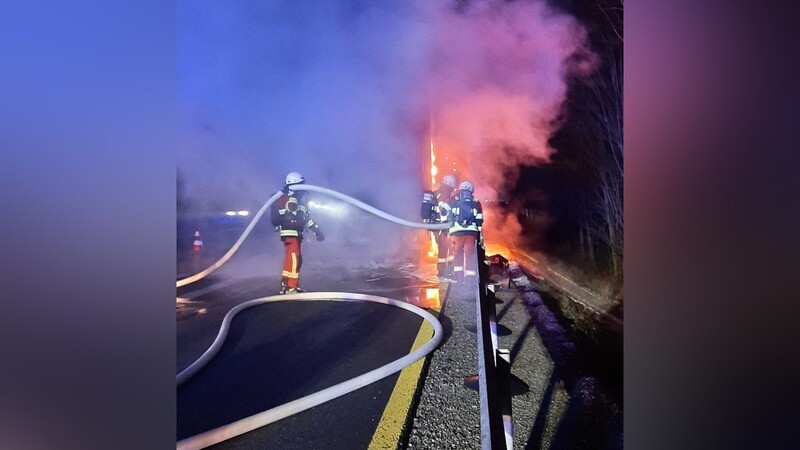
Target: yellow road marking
{"type": "Point", "coordinates": [387, 434]}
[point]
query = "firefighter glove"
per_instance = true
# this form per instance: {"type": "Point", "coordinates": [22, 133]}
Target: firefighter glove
{"type": "Point", "coordinates": [285, 189]}
{"type": "Point", "coordinates": [319, 235]}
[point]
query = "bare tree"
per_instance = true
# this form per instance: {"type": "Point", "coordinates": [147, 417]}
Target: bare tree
{"type": "Point", "coordinates": [600, 131]}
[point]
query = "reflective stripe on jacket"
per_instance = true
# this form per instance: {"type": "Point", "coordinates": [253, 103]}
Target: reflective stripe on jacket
{"type": "Point", "coordinates": [474, 227]}
{"type": "Point", "coordinates": [292, 215]}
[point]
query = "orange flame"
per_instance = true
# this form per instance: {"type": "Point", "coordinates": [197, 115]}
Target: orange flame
{"type": "Point", "coordinates": [434, 169]}
{"type": "Point", "coordinates": [432, 298]}
{"type": "Point", "coordinates": [493, 248]}
{"type": "Point", "coordinates": [433, 249]}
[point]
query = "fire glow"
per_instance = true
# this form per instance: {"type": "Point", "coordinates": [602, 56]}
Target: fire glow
{"type": "Point", "coordinates": [495, 249]}
{"type": "Point", "coordinates": [434, 169]}
{"type": "Point", "coordinates": [432, 298]}
{"type": "Point", "coordinates": [433, 249]}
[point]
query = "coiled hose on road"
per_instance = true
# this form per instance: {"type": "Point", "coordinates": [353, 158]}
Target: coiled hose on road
{"type": "Point", "coordinates": [224, 432]}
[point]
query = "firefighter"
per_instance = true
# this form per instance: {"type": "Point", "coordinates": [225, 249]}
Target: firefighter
{"type": "Point", "coordinates": [436, 209]}
{"type": "Point", "coordinates": [290, 217]}
{"type": "Point", "coordinates": [465, 232]}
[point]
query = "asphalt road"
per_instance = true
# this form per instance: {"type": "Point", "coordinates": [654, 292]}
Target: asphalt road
{"type": "Point", "coordinates": [282, 351]}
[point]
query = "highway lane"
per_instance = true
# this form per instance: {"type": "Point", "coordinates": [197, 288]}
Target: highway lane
{"type": "Point", "coordinates": [279, 352]}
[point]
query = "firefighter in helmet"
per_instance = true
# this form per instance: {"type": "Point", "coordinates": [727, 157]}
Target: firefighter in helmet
{"type": "Point", "coordinates": [465, 232]}
{"type": "Point", "coordinates": [290, 216]}
{"type": "Point", "coordinates": [436, 209]}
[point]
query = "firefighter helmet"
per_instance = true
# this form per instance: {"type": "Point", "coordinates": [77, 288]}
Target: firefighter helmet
{"type": "Point", "coordinates": [466, 186]}
{"type": "Point", "coordinates": [449, 180]}
{"type": "Point", "coordinates": [294, 178]}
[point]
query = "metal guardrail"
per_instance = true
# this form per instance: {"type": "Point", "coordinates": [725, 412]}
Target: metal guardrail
{"type": "Point", "coordinates": [494, 367]}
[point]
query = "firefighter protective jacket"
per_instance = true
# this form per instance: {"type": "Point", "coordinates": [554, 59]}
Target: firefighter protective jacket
{"type": "Point", "coordinates": [443, 198]}
{"type": "Point", "coordinates": [290, 215]}
{"type": "Point", "coordinates": [435, 205]}
{"type": "Point", "coordinates": [466, 213]}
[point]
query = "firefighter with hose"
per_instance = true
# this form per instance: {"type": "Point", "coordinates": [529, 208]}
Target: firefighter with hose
{"type": "Point", "coordinates": [290, 217]}
{"type": "Point", "coordinates": [465, 232]}
{"type": "Point", "coordinates": [436, 209]}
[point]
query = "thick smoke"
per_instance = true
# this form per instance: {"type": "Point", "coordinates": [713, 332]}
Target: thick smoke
{"type": "Point", "coordinates": [344, 91]}
{"type": "Point", "coordinates": [499, 81]}
{"type": "Point", "coordinates": [323, 88]}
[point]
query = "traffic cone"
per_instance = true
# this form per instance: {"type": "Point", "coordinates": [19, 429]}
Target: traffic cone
{"type": "Point", "coordinates": [198, 243]}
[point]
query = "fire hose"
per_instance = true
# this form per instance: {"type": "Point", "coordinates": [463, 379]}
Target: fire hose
{"type": "Point", "coordinates": [306, 187]}
{"type": "Point", "coordinates": [261, 419]}
{"type": "Point", "coordinates": [250, 423]}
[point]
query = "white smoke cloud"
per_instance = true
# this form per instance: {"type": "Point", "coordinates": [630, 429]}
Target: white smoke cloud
{"type": "Point", "coordinates": [343, 91]}
{"type": "Point", "coordinates": [501, 75]}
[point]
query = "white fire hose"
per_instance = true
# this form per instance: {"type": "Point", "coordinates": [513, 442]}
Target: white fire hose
{"type": "Point", "coordinates": [241, 426]}
{"type": "Point", "coordinates": [261, 419]}
{"type": "Point", "coordinates": [305, 187]}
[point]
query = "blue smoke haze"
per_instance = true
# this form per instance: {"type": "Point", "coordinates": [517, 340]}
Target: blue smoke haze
{"type": "Point", "coordinates": [323, 88]}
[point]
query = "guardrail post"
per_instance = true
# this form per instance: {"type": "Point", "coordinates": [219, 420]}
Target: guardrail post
{"type": "Point", "coordinates": [493, 386]}
{"type": "Point", "coordinates": [503, 359]}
